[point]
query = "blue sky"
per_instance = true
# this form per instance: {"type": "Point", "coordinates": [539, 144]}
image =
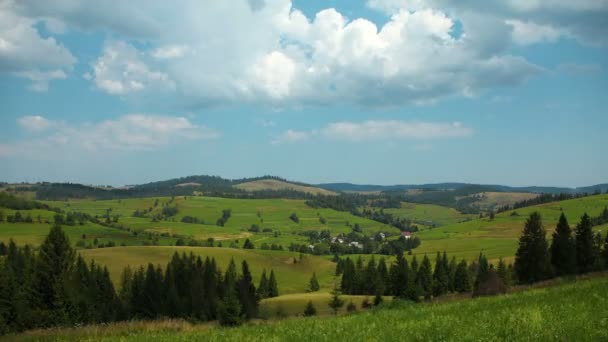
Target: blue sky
{"type": "Point", "coordinates": [378, 91]}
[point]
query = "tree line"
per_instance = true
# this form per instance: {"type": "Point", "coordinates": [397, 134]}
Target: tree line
{"type": "Point", "coordinates": [55, 287]}
{"type": "Point", "coordinates": [570, 253]}
{"type": "Point", "coordinates": [541, 199]}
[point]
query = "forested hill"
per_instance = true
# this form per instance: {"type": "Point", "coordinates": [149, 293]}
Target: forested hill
{"type": "Point", "coordinates": [185, 186]}
{"type": "Point", "coordinates": [349, 187]}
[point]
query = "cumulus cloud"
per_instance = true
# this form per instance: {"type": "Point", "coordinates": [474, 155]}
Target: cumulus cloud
{"type": "Point", "coordinates": [376, 130]}
{"type": "Point", "coordinates": [129, 132]}
{"type": "Point", "coordinates": [120, 70]}
{"type": "Point", "coordinates": [35, 123]}
{"type": "Point", "coordinates": [25, 53]}
{"type": "Point", "coordinates": [269, 52]}
{"type": "Point", "coordinates": [583, 20]}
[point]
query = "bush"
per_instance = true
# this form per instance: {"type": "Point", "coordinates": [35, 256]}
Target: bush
{"type": "Point", "coordinates": [351, 307]}
{"type": "Point", "coordinates": [294, 217]}
{"type": "Point", "coordinates": [310, 309]}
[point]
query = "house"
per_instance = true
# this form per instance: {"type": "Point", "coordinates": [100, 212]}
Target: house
{"type": "Point", "coordinates": [406, 235]}
{"type": "Point", "coordinates": [355, 244]}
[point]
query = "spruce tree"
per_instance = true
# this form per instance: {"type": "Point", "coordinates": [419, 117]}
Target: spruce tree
{"type": "Point", "coordinates": [462, 278]}
{"type": "Point", "coordinates": [483, 272]}
{"type": "Point", "coordinates": [383, 275]}
{"type": "Point", "coordinates": [399, 276]}
{"type": "Point", "coordinates": [273, 289]}
{"type": "Point", "coordinates": [263, 287]}
{"type": "Point", "coordinates": [605, 252]}
{"type": "Point", "coordinates": [440, 277]}
{"type": "Point", "coordinates": [314, 284]}
{"type": "Point", "coordinates": [563, 249]}
{"type": "Point", "coordinates": [246, 292]}
{"type": "Point", "coordinates": [585, 256]}
{"type": "Point", "coordinates": [229, 309]}
{"type": "Point", "coordinates": [503, 272]}
{"type": "Point", "coordinates": [54, 263]}
{"type": "Point", "coordinates": [532, 260]}
{"type": "Point", "coordinates": [336, 301]}
{"type": "Point", "coordinates": [452, 274]}
{"type": "Point", "coordinates": [425, 278]}
{"type": "Point", "coordinates": [310, 309]}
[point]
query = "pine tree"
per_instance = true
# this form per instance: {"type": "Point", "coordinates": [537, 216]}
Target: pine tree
{"type": "Point", "coordinates": [246, 292]}
{"type": "Point", "coordinates": [425, 279]}
{"type": "Point", "coordinates": [336, 301]}
{"type": "Point", "coordinates": [263, 287]}
{"type": "Point", "coordinates": [452, 274]}
{"type": "Point", "coordinates": [532, 260]}
{"type": "Point", "coordinates": [229, 309]}
{"type": "Point", "coordinates": [314, 284]}
{"type": "Point", "coordinates": [383, 275]}
{"type": "Point", "coordinates": [349, 280]}
{"type": "Point", "coordinates": [483, 271]}
{"type": "Point", "coordinates": [585, 256]}
{"type": "Point", "coordinates": [399, 277]}
{"type": "Point", "coordinates": [605, 252]}
{"type": "Point", "coordinates": [273, 289]}
{"type": "Point", "coordinates": [248, 244]}
{"type": "Point", "coordinates": [54, 262]}
{"type": "Point", "coordinates": [462, 278]}
{"type": "Point", "coordinates": [563, 249]}
{"type": "Point", "coordinates": [440, 277]}
{"type": "Point", "coordinates": [310, 309]}
{"type": "Point", "coordinates": [503, 272]}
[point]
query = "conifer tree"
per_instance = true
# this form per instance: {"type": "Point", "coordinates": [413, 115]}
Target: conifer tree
{"type": "Point", "coordinates": [54, 262]}
{"type": "Point", "coordinates": [263, 287]}
{"type": "Point", "coordinates": [336, 301]}
{"type": "Point", "coordinates": [310, 309]}
{"type": "Point", "coordinates": [462, 281]}
{"type": "Point", "coordinates": [229, 309]}
{"type": "Point", "coordinates": [314, 284]}
{"type": "Point", "coordinates": [246, 292]}
{"type": "Point", "coordinates": [532, 260]}
{"type": "Point", "coordinates": [452, 274]}
{"type": "Point", "coordinates": [399, 275]}
{"type": "Point", "coordinates": [585, 256]}
{"type": "Point", "coordinates": [605, 252]}
{"type": "Point", "coordinates": [503, 272]}
{"type": "Point", "coordinates": [383, 275]}
{"type": "Point", "coordinates": [563, 249]}
{"type": "Point", "coordinates": [425, 278]}
{"type": "Point", "coordinates": [273, 289]}
{"type": "Point", "coordinates": [440, 277]}
{"type": "Point", "coordinates": [483, 272]}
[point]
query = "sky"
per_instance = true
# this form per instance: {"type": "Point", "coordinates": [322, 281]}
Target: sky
{"type": "Point", "coordinates": [373, 92]}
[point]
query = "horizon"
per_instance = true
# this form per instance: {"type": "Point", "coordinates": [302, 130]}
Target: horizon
{"type": "Point", "coordinates": [379, 92]}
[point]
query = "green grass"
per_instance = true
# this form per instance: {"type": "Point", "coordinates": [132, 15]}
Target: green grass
{"type": "Point", "coordinates": [499, 237]}
{"type": "Point", "coordinates": [273, 214]}
{"type": "Point", "coordinates": [572, 311]}
{"type": "Point", "coordinates": [291, 277]}
{"type": "Point", "coordinates": [429, 214]}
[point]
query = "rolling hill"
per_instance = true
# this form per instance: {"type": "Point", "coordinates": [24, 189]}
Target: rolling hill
{"type": "Point", "coordinates": [276, 185]}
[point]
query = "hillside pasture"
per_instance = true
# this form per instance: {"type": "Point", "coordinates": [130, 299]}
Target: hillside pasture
{"type": "Point", "coordinates": [275, 185]}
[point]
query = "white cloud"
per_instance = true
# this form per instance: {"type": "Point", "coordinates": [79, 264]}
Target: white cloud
{"type": "Point", "coordinates": [34, 123]}
{"type": "Point", "coordinates": [268, 52]}
{"type": "Point", "coordinates": [291, 136]}
{"type": "Point", "coordinates": [583, 20]}
{"type": "Point", "coordinates": [129, 132]}
{"type": "Point", "coordinates": [24, 53]}
{"type": "Point", "coordinates": [120, 70]}
{"type": "Point", "coordinates": [393, 129]}
{"type": "Point", "coordinates": [170, 51]}
{"type": "Point", "coordinates": [377, 130]}
{"type": "Point", "coordinates": [526, 33]}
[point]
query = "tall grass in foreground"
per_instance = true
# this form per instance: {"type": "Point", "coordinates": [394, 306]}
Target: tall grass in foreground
{"type": "Point", "coordinates": [569, 312]}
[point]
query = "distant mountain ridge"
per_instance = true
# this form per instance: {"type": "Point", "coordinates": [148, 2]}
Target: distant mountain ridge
{"type": "Point", "coordinates": [350, 187]}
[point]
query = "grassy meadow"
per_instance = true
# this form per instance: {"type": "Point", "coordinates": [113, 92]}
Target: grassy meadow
{"type": "Point", "coordinates": [293, 273]}
{"type": "Point", "coordinates": [429, 214]}
{"type": "Point", "coordinates": [571, 311]}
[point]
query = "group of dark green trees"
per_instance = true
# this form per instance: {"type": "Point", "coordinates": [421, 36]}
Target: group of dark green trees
{"type": "Point", "coordinates": [570, 253]}
{"type": "Point", "coordinates": [55, 287]}
{"type": "Point", "coordinates": [413, 281]}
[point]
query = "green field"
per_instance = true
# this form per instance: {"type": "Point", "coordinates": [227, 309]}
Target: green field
{"type": "Point", "coordinates": [499, 237]}
{"type": "Point", "coordinates": [429, 214]}
{"type": "Point", "coordinates": [266, 213]}
{"type": "Point", "coordinates": [572, 311]}
{"type": "Point", "coordinates": [291, 277]}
